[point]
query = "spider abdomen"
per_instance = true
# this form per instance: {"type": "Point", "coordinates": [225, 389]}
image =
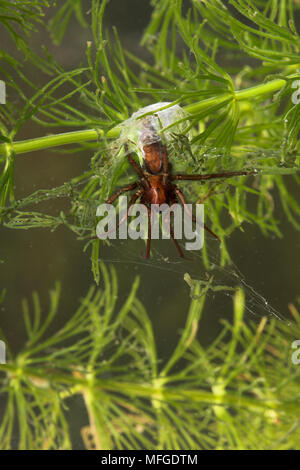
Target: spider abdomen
{"type": "Point", "coordinates": [153, 156]}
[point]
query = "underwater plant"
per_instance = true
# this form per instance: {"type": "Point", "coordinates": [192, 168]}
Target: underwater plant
{"type": "Point", "coordinates": [232, 69]}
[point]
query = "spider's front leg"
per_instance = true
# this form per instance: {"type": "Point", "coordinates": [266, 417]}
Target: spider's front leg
{"type": "Point", "coordinates": [137, 168]}
{"type": "Point", "coordinates": [132, 201]}
{"type": "Point", "coordinates": [121, 191]}
{"type": "Point", "coordinates": [134, 198]}
{"type": "Point", "coordinates": [226, 174]}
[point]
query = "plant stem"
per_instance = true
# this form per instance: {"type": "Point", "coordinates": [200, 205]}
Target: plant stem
{"type": "Point", "coordinates": [40, 143]}
{"type": "Point", "coordinates": [147, 391]}
{"type": "Point", "coordinates": [253, 92]}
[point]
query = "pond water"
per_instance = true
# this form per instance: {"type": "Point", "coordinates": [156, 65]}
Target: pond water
{"type": "Point", "coordinates": [33, 260]}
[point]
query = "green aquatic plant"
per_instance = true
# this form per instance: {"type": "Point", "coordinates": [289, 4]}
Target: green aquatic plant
{"type": "Point", "coordinates": [223, 396]}
{"type": "Point", "coordinates": [239, 117]}
{"type": "Point", "coordinates": [232, 67]}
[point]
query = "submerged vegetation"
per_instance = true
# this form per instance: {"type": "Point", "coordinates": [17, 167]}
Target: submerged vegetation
{"type": "Point", "coordinates": [237, 117]}
{"type": "Point", "coordinates": [218, 397]}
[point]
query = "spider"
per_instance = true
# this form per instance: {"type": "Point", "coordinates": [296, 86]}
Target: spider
{"type": "Point", "coordinates": [156, 183]}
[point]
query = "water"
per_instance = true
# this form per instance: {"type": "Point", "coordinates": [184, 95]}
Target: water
{"type": "Point", "coordinates": [33, 260]}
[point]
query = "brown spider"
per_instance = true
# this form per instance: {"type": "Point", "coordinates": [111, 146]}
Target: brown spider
{"type": "Point", "coordinates": [155, 184]}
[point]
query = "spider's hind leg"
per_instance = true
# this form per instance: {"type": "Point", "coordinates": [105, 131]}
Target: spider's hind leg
{"type": "Point", "coordinates": [186, 208]}
{"type": "Point", "coordinates": [148, 247]}
{"type": "Point", "coordinates": [171, 230]}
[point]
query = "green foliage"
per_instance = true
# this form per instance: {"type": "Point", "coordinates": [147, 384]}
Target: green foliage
{"type": "Point", "coordinates": [59, 22]}
{"type": "Point", "coordinates": [233, 122]}
{"type": "Point", "coordinates": [218, 397]}
{"type": "Point", "coordinates": [238, 117]}
{"type": "Point", "coordinates": [20, 19]}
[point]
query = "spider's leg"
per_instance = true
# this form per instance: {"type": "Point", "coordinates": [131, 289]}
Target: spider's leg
{"type": "Point", "coordinates": [226, 174]}
{"type": "Point", "coordinates": [210, 192]}
{"type": "Point", "coordinates": [148, 247]}
{"type": "Point", "coordinates": [184, 203]}
{"type": "Point", "coordinates": [121, 191]}
{"type": "Point", "coordinates": [176, 243]}
{"type": "Point", "coordinates": [136, 167]}
{"type": "Point", "coordinates": [132, 201]}
{"type": "Point", "coordinates": [171, 230]}
{"type": "Point", "coordinates": [165, 165]}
